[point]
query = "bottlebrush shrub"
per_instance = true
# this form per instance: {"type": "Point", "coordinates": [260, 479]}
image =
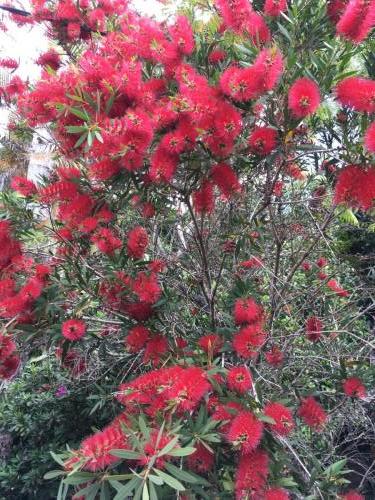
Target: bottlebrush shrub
{"type": "Point", "coordinates": [180, 259]}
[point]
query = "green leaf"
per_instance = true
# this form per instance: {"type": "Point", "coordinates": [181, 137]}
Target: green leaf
{"type": "Point", "coordinates": [155, 479]}
{"type": "Point", "coordinates": [127, 488]}
{"type": "Point", "coordinates": [145, 494]}
{"type": "Point", "coordinates": [80, 113]}
{"type": "Point", "coordinates": [57, 458]}
{"type": "Point", "coordinates": [143, 427]}
{"type": "Point", "coordinates": [287, 482]}
{"type": "Point", "coordinates": [89, 493]}
{"type": "Point", "coordinates": [183, 475]}
{"type": "Point", "coordinates": [182, 452]}
{"type": "Point", "coordinates": [81, 140]}
{"type": "Point", "coordinates": [168, 447]}
{"type": "Point", "coordinates": [266, 419]}
{"type": "Point", "coordinates": [75, 129]}
{"type": "Point", "coordinates": [128, 454]}
{"type": "Point", "coordinates": [153, 494]}
{"type": "Point", "coordinates": [335, 468]}
{"type": "Point", "coordinates": [170, 481]}
{"type": "Point", "coordinates": [53, 473]}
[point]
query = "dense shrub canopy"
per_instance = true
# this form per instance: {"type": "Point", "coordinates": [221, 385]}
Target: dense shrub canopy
{"type": "Point", "coordinates": [184, 261]}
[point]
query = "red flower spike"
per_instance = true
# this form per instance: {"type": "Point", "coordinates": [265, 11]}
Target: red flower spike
{"type": "Point", "coordinates": [23, 186]}
{"type": "Point", "coordinates": [314, 328]}
{"type": "Point", "coordinates": [247, 311]}
{"type": "Point", "coordinates": [137, 338]}
{"type": "Point", "coordinates": [201, 461]}
{"type": "Point", "coordinates": [312, 413]}
{"type": "Point", "coordinates": [245, 432]}
{"type": "Point", "coordinates": [276, 494]}
{"type": "Point", "coordinates": [284, 423]}
{"type": "Point", "coordinates": [239, 379]}
{"type": "Point", "coordinates": [251, 475]}
{"type": "Point", "coordinates": [352, 495]}
{"type": "Point", "coordinates": [274, 7]}
{"type": "Point", "coordinates": [73, 329]}
{"type": "Point", "coordinates": [274, 357]}
{"type": "Point", "coordinates": [370, 138]}
{"type": "Point", "coordinates": [303, 98]}
{"type": "Point", "coordinates": [263, 140]}
{"type": "Point", "coordinates": [137, 242]}
{"type": "Point", "coordinates": [355, 187]}
{"type": "Point", "coordinates": [354, 388]}
{"type": "Point", "coordinates": [358, 93]}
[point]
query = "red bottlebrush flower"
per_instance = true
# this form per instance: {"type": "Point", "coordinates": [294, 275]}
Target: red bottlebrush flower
{"type": "Point", "coordinates": [137, 338]}
{"type": "Point", "coordinates": [106, 241]}
{"type": "Point", "coordinates": [247, 311]}
{"type": "Point", "coordinates": [357, 93]}
{"type": "Point", "coordinates": [23, 186]}
{"type": "Point", "coordinates": [357, 20]}
{"type": "Point", "coordinates": [274, 357]}
{"type": "Point", "coordinates": [58, 191]}
{"type": "Point", "coordinates": [155, 348]}
{"type": "Point", "coordinates": [303, 98]}
{"type": "Point", "coordinates": [50, 58]}
{"type": "Point", "coordinates": [370, 138]}
{"type": "Point", "coordinates": [73, 329]}
{"type": "Point", "coordinates": [355, 187]}
{"type": "Point", "coordinates": [245, 432]}
{"type": "Point", "coordinates": [306, 266]}
{"type": "Point", "coordinates": [189, 388]}
{"type": "Point", "coordinates": [284, 423]}
{"type": "Point", "coordinates": [103, 170]}
{"type": "Point", "coordinates": [96, 449]}
{"type": "Point", "coordinates": [278, 188]}
{"type": "Point", "coordinates": [354, 387]}
{"type": "Point", "coordinates": [352, 495]}
{"type": "Point", "coordinates": [15, 87]}
{"type": "Point", "coordinates": [274, 7]}
{"type": "Point", "coordinates": [9, 63]}
{"type": "Point", "coordinates": [203, 198]}
{"type": "Point", "coordinates": [182, 35]}
{"type": "Point", "coordinates": [247, 340]}
{"type": "Point", "coordinates": [202, 460]}
{"type": "Point", "coordinates": [253, 263]}
{"type": "Point", "coordinates": [263, 140]}
{"type": "Point", "coordinates": [31, 290]}
{"type": "Point", "coordinates": [157, 266]}
{"type": "Point", "coordinates": [9, 366]}
{"type": "Point", "coordinates": [137, 242]}
{"type": "Point", "coordinates": [335, 287]}
{"type": "Point", "coordinates": [335, 9]}
{"type": "Point", "coordinates": [42, 271]}
{"type": "Point", "coordinates": [251, 474]}
{"type": "Point", "coordinates": [7, 346]}
{"type": "Point", "coordinates": [226, 412]}
{"type": "Point", "coordinates": [211, 344]}
{"type": "Point", "coordinates": [312, 413]}
{"type": "Point", "coordinates": [225, 179]}
{"type": "Point", "coordinates": [216, 56]}
{"type": "Point", "coordinates": [313, 328]}
{"type": "Point", "coordinates": [239, 379]}
{"type": "Point", "coordinates": [146, 287]}
{"type": "Point", "coordinates": [321, 262]}
{"type": "Point", "coordinates": [88, 225]}
{"type": "Point", "coordinates": [148, 210]}
{"type": "Point", "coordinates": [163, 166]}
{"type": "Point", "coordinates": [276, 494]}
